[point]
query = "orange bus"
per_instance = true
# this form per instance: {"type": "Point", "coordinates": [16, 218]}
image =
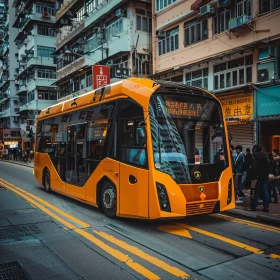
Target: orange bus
{"type": "Point", "coordinates": [138, 148]}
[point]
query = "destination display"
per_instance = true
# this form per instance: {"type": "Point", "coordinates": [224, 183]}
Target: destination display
{"type": "Point", "coordinates": [179, 109]}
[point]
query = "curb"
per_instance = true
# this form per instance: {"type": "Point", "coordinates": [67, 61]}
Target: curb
{"type": "Point", "coordinates": [254, 216]}
{"type": "Point", "coordinates": [17, 163]}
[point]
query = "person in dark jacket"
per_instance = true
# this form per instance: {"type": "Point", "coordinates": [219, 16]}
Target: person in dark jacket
{"type": "Point", "coordinates": [260, 172]}
{"type": "Point", "coordinates": [274, 173]}
{"type": "Point", "coordinates": [238, 170]}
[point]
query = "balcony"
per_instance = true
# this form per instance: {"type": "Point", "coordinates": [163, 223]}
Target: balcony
{"type": "Point", "coordinates": [38, 82]}
{"type": "Point", "coordinates": [5, 113]}
{"type": "Point", "coordinates": [36, 105]}
{"type": "Point", "coordinates": [65, 7]}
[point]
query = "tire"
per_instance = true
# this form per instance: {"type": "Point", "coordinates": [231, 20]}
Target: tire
{"type": "Point", "coordinates": [109, 199]}
{"type": "Point", "coordinates": [47, 180]}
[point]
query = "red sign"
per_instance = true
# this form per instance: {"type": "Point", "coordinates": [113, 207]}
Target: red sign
{"type": "Point", "coordinates": [101, 76]}
{"type": "Point", "coordinates": [197, 159]}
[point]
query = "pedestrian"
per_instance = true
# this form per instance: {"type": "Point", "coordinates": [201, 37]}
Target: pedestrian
{"type": "Point", "coordinates": [15, 154]}
{"type": "Point", "coordinates": [19, 152]}
{"type": "Point", "coordinates": [31, 155]}
{"type": "Point", "coordinates": [238, 170]}
{"type": "Point", "coordinates": [274, 172]}
{"type": "Point", "coordinates": [276, 157]}
{"type": "Point", "coordinates": [260, 172]}
{"type": "Point", "coordinates": [27, 154]}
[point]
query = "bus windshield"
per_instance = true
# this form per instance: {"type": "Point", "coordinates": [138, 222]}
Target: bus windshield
{"type": "Point", "coordinates": [188, 137]}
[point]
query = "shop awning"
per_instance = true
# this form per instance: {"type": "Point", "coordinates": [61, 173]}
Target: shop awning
{"type": "Point", "coordinates": [267, 118]}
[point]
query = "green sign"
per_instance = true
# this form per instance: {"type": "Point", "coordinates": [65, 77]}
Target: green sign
{"type": "Point", "coordinates": [268, 101]}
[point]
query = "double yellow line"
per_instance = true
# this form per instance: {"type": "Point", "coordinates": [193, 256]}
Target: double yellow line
{"type": "Point", "coordinates": [78, 226]}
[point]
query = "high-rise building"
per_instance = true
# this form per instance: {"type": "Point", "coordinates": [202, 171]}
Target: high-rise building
{"type": "Point", "coordinates": [115, 33]}
{"type": "Point", "coordinates": [9, 104]}
{"type": "Point", "coordinates": [35, 71]}
{"type": "Point", "coordinates": [231, 48]}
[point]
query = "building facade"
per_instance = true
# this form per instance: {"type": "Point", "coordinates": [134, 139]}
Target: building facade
{"type": "Point", "coordinates": [115, 33]}
{"type": "Point", "coordinates": [35, 71]}
{"type": "Point", "coordinates": [232, 49]}
{"type": "Point", "coordinates": [9, 103]}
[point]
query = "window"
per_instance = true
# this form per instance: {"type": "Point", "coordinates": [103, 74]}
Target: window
{"type": "Point", "coordinates": [45, 51]}
{"type": "Point", "coordinates": [46, 73]}
{"type": "Point", "coordinates": [143, 22]}
{"type": "Point", "coordinates": [233, 73]}
{"type": "Point", "coordinates": [161, 4]}
{"type": "Point", "coordinates": [143, 64]}
{"type": "Point", "coordinates": [223, 16]}
{"type": "Point", "coordinates": [46, 31]}
{"type": "Point", "coordinates": [198, 78]}
{"type": "Point", "coordinates": [31, 95]}
{"type": "Point", "coordinates": [195, 31]}
{"type": "Point", "coordinates": [266, 6]}
{"type": "Point", "coordinates": [170, 42]}
{"type": "Point", "coordinates": [114, 29]}
{"type": "Point", "coordinates": [45, 8]}
{"type": "Point", "coordinates": [47, 95]}
{"type": "Point", "coordinates": [131, 152]}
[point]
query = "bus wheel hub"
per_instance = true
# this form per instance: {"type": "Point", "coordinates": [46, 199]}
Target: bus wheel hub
{"type": "Point", "coordinates": [108, 197]}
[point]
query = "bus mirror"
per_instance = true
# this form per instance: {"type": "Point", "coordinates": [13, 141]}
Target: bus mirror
{"type": "Point", "coordinates": [141, 136]}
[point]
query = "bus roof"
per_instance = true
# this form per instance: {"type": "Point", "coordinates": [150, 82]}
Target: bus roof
{"type": "Point", "coordinates": [139, 89]}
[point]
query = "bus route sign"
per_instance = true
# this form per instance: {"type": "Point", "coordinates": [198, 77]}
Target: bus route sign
{"type": "Point", "coordinates": [101, 76]}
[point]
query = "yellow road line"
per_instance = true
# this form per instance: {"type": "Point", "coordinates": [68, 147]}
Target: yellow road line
{"type": "Point", "coordinates": [228, 240]}
{"type": "Point", "coordinates": [67, 224]}
{"type": "Point", "coordinates": [118, 255]}
{"type": "Point", "coordinates": [115, 253]}
{"type": "Point", "coordinates": [134, 250]}
{"type": "Point", "coordinates": [68, 216]}
{"type": "Point", "coordinates": [246, 222]}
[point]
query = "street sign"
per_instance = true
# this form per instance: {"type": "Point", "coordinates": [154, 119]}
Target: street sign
{"type": "Point", "coordinates": [121, 73]}
{"type": "Point", "coordinates": [101, 76]}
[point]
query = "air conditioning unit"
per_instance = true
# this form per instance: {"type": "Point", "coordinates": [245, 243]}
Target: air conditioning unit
{"type": "Point", "coordinates": [29, 52]}
{"type": "Point", "coordinates": [160, 34]}
{"type": "Point", "coordinates": [119, 13]}
{"type": "Point", "coordinates": [206, 10]}
{"type": "Point", "coordinates": [266, 71]}
{"type": "Point", "coordinates": [239, 21]}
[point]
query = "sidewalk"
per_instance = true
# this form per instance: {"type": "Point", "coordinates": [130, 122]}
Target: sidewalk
{"type": "Point", "coordinates": [273, 217]}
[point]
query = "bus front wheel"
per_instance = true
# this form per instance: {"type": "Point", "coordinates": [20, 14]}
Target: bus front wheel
{"type": "Point", "coordinates": [108, 199]}
{"type": "Point", "coordinates": [47, 180]}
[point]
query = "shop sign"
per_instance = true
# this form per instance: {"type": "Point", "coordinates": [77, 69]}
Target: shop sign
{"type": "Point", "coordinates": [11, 143]}
{"type": "Point", "coordinates": [101, 76]}
{"type": "Point", "coordinates": [268, 101]}
{"type": "Point", "coordinates": [237, 107]}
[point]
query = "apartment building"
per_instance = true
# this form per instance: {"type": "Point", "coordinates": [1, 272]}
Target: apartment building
{"type": "Point", "coordinates": [9, 120]}
{"type": "Point", "coordinates": [35, 71]}
{"type": "Point", "coordinates": [232, 49]}
{"type": "Point", "coordinates": [115, 33]}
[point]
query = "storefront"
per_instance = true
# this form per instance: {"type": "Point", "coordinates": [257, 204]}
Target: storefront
{"type": "Point", "coordinates": [268, 116]}
{"type": "Point", "coordinates": [238, 109]}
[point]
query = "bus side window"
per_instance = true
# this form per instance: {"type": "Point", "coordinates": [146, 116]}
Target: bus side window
{"type": "Point", "coordinates": [131, 152]}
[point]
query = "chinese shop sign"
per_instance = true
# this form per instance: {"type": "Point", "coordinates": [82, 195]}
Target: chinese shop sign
{"type": "Point", "coordinates": [237, 107]}
{"type": "Point", "coordinates": [101, 76]}
{"type": "Point", "coordinates": [183, 109]}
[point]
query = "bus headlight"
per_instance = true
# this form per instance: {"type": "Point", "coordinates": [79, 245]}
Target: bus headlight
{"type": "Point", "coordinates": [163, 197]}
{"type": "Point", "coordinates": [229, 191]}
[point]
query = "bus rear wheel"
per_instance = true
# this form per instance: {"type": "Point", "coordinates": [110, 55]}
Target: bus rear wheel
{"type": "Point", "coordinates": [47, 180]}
{"type": "Point", "coordinates": [108, 199]}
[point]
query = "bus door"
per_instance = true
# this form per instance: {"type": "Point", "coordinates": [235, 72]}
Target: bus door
{"type": "Point", "coordinates": [75, 160]}
{"type": "Point", "coordinates": [134, 175]}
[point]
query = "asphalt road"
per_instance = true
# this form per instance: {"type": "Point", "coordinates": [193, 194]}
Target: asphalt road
{"type": "Point", "coordinates": [55, 237]}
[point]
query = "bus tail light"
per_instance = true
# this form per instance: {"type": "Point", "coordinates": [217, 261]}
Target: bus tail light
{"type": "Point", "coordinates": [163, 198]}
{"type": "Point", "coordinates": [229, 198]}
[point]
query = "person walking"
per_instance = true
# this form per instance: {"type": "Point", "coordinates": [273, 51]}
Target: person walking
{"type": "Point", "coordinates": [15, 153]}
{"type": "Point", "coordinates": [19, 152]}
{"type": "Point", "coordinates": [27, 154]}
{"type": "Point", "coordinates": [274, 173]}
{"type": "Point", "coordinates": [238, 170]}
{"type": "Point", "coordinates": [260, 172]}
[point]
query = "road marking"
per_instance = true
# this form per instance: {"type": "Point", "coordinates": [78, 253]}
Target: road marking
{"type": "Point", "coordinates": [153, 260]}
{"type": "Point", "coordinates": [115, 253]}
{"type": "Point", "coordinates": [67, 224]}
{"type": "Point", "coordinates": [228, 240]}
{"type": "Point", "coordinates": [175, 229]}
{"type": "Point", "coordinates": [118, 255]}
{"type": "Point", "coordinates": [246, 222]}
{"type": "Point", "coordinates": [68, 216]}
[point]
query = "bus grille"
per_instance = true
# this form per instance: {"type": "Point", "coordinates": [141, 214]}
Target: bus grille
{"type": "Point", "coordinates": [200, 208]}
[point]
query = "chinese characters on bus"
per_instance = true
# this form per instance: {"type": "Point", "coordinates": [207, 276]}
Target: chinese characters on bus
{"type": "Point", "coordinates": [183, 109]}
